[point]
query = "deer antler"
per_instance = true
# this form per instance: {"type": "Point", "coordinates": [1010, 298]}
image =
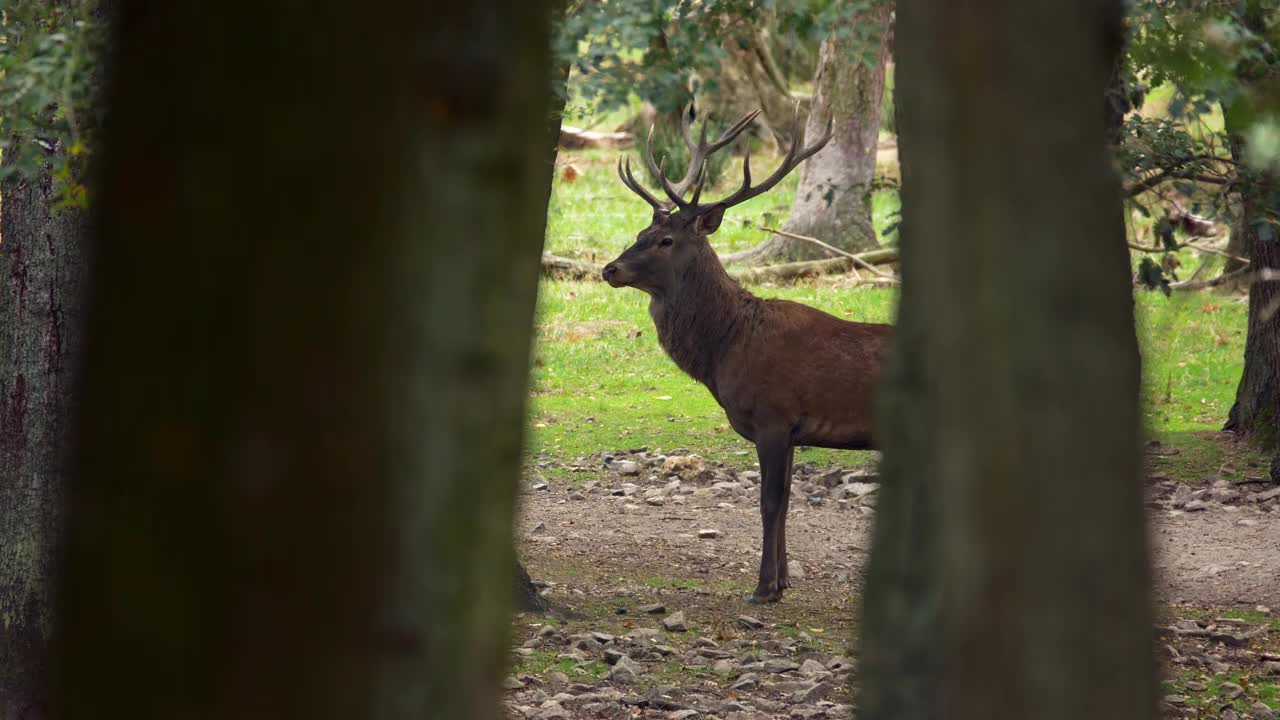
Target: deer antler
{"type": "Point", "coordinates": [699, 151]}
{"type": "Point", "coordinates": [794, 157]}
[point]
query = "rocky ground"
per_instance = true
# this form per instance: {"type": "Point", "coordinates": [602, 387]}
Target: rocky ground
{"type": "Point", "coordinates": [648, 557]}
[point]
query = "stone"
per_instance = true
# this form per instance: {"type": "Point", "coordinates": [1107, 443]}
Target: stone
{"type": "Point", "coordinates": [1230, 690]}
{"type": "Point", "coordinates": [708, 533]}
{"type": "Point", "coordinates": [813, 693]}
{"type": "Point", "coordinates": [795, 570]}
{"type": "Point", "coordinates": [1175, 699]}
{"type": "Point", "coordinates": [552, 710]}
{"type": "Point", "coordinates": [747, 622]}
{"type": "Point", "coordinates": [675, 622]}
{"type": "Point", "coordinates": [778, 665]}
{"type": "Point", "coordinates": [746, 682]}
{"type": "Point", "coordinates": [750, 476]}
{"type": "Point", "coordinates": [612, 656]}
{"type": "Point", "coordinates": [1260, 711]}
{"type": "Point", "coordinates": [724, 667]}
{"type": "Point", "coordinates": [511, 682]}
{"type": "Point", "coordinates": [684, 466]}
{"type": "Point", "coordinates": [656, 609]}
{"type": "Point", "coordinates": [839, 663]}
{"type": "Point", "coordinates": [656, 501]}
{"type": "Point", "coordinates": [625, 671]}
{"type": "Point", "coordinates": [682, 714]}
{"type": "Point", "coordinates": [812, 667]}
{"type": "Point", "coordinates": [539, 486]}
{"type": "Point", "coordinates": [575, 495]}
{"type": "Point", "coordinates": [1196, 506]}
{"type": "Point", "coordinates": [627, 467]}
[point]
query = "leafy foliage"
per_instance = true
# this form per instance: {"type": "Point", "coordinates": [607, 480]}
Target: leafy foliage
{"type": "Point", "coordinates": [48, 84]}
{"type": "Point", "coordinates": [652, 49]}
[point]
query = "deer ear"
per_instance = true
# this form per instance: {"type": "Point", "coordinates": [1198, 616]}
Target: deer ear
{"type": "Point", "coordinates": [709, 220]}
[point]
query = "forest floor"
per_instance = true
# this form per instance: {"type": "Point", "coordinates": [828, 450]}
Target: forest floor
{"type": "Point", "coordinates": [649, 556]}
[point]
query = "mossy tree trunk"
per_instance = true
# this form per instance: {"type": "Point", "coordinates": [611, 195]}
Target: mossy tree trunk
{"type": "Point", "coordinates": [306, 363]}
{"type": "Point", "coordinates": [42, 259]}
{"type": "Point", "coordinates": [1012, 392]}
{"type": "Point", "coordinates": [833, 200]}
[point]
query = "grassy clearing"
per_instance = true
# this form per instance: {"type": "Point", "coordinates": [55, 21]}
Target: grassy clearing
{"type": "Point", "coordinates": [602, 383]}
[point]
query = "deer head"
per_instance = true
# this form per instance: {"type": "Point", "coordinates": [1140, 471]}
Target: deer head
{"type": "Point", "coordinates": [676, 239]}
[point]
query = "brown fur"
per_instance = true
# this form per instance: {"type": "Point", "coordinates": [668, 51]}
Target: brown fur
{"type": "Point", "coordinates": [786, 374]}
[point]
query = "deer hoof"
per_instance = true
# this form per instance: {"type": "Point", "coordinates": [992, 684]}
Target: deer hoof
{"type": "Point", "coordinates": [758, 598]}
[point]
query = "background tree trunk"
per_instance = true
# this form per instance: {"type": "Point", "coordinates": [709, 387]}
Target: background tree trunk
{"type": "Point", "coordinates": [306, 367]}
{"type": "Point", "coordinates": [1256, 411]}
{"type": "Point", "coordinates": [1013, 389]}
{"type": "Point", "coordinates": [833, 199]}
{"type": "Point", "coordinates": [41, 271]}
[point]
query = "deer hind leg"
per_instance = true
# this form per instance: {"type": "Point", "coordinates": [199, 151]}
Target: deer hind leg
{"type": "Point", "coordinates": [774, 456]}
{"type": "Point", "coordinates": [784, 577]}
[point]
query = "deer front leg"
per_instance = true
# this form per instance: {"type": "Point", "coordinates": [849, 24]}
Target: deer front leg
{"type": "Point", "coordinates": [784, 576]}
{"type": "Point", "coordinates": [774, 453]}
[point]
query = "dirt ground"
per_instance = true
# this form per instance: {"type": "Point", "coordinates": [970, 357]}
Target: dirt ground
{"type": "Point", "coordinates": [634, 530]}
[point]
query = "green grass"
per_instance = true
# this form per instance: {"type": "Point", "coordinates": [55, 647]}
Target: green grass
{"type": "Point", "coordinates": [543, 661]}
{"type": "Point", "coordinates": [602, 383]}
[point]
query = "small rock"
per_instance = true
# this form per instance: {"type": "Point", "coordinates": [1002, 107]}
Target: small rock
{"type": "Point", "coordinates": [612, 656]}
{"type": "Point", "coordinates": [557, 679]}
{"type": "Point", "coordinates": [1196, 505]}
{"type": "Point", "coordinates": [1175, 699]}
{"type": "Point", "coordinates": [552, 710]}
{"type": "Point", "coordinates": [778, 665]}
{"type": "Point", "coordinates": [1271, 667]}
{"type": "Point", "coordinates": [724, 667]}
{"type": "Point", "coordinates": [656, 501]}
{"type": "Point", "coordinates": [1230, 690]}
{"type": "Point", "coordinates": [839, 663]}
{"type": "Point", "coordinates": [746, 682]}
{"type": "Point", "coordinates": [625, 671]}
{"type": "Point", "coordinates": [675, 622]}
{"type": "Point", "coordinates": [656, 609]}
{"type": "Point", "coordinates": [708, 533]}
{"type": "Point", "coordinates": [511, 682]}
{"type": "Point", "coordinates": [627, 467]}
{"type": "Point", "coordinates": [747, 622]}
{"type": "Point", "coordinates": [812, 667]}
{"type": "Point", "coordinates": [682, 714]}
{"type": "Point", "coordinates": [539, 486]}
{"type": "Point", "coordinates": [750, 476]}
{"type": "Point", "coordinates": [575, 495]}
{"type": "Point", "coordinates": [1195, 686]}
{"type": "Point", "coordinates": [795, 570]}
{"type": "Point", "coordinates": [1260, 711]}
{"type": "Point", "coordinates": [813, 693]}
{"type": "Point", "coordinates": [1229, 714]}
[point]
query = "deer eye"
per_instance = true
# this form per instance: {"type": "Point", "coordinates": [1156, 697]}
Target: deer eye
{"type": "Point", "coordinates": [665, 242]}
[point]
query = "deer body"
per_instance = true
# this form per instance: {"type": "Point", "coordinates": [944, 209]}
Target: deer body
{"type": "Point", "coordinates": [786, 374]}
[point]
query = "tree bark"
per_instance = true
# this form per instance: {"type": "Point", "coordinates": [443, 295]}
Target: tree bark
{"type": "Point", "coordinates": [41, 269]}
{"type": "Point", "coordinates": [1255, 414]}
{"type": "Point", "coordinates": [1012, 390]}
{"type": "Point", "coordinates": [306, 364]}
{"type": "Point", "coordinates": [833, 199]}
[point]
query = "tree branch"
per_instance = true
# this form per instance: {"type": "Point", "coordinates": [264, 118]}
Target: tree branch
{"type": "Point", "coordinates": [857, 260]}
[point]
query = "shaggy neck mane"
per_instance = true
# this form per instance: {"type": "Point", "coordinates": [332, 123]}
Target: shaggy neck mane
{"type": "Point", "coordinates": [700, 317]}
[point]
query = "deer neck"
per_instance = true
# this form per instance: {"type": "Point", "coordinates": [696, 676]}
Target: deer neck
{"type": "Point", "coordinates": [702, 317]}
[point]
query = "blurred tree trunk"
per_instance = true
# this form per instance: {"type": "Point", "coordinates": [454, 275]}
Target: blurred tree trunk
{"type": "Point", "coordinates": [306, 365]}
{"type": "Point", "coordinates": [42, 258]}
{"type": "Point", "coordinates": [1012, 390]}
{"type": "Point", "coordinates": [833, 200]}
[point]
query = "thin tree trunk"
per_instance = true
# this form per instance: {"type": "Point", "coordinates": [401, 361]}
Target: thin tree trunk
{"type": "Point", "coordinates": [1012, 389]}
{"type": "Point", "coordinates": [833, 199]}
{"type": "Point", "coordinates": [306, 367]}
{"type": "Point", "coordinates": [41, 270]}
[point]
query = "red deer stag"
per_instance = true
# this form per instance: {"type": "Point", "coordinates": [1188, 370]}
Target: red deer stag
{"type": "Point", "coordinates": [786, 374]}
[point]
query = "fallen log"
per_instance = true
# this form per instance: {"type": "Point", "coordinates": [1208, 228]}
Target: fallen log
{"type": "Point", "coordinates": [572, 138]}
{"type": "Point", "coordinates": [565, 268]}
